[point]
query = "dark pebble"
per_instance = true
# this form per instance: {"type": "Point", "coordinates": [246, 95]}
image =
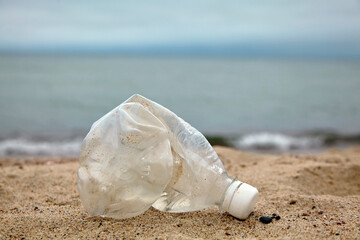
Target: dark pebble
{"type": "Point", "coordinates": [313, 207]}
{"type": "Point", "coordinates": [337, 233]}
{"type": "Point", "coordinates": [265, 220]}
{"type": "Point", "coordinates": [277, 217]}
{"type": "Point", "coordinates": [292, 202]}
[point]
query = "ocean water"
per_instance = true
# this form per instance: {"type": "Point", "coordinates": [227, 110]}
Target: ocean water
{"type": "Point", "coordinates": [48, 102]}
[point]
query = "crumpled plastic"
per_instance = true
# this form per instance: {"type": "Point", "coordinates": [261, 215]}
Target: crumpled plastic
{"type": "Point", "coordinates": [141, 154]}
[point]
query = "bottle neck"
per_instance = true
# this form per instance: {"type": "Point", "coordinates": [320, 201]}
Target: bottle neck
{"type": "Point", "coordinates": [229, 193]}
{"type": "Point", "coordinates": [230, 182]}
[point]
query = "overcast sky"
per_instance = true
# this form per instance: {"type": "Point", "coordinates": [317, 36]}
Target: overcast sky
{"type": "Point", "coordinates": [28, 24]}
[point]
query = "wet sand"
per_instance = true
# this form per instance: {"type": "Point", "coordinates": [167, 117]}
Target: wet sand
{"type": "Point", "coordinates": [316, 196]}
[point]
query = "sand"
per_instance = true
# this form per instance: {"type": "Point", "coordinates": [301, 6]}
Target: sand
{"type": "Point", "coordinates": [316, 196]}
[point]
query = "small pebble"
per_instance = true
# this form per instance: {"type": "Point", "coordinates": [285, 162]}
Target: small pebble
{"type": "Point", "coordinates": [337, 233]}
{"type": "Point", "coordinates": [265, 220]}
{"type": "Point", "coordinates": [313, 207]}
{"type": "Point", "coordinates": [277, 217]}
{"type": "Point", "coordinates": [292, 201]}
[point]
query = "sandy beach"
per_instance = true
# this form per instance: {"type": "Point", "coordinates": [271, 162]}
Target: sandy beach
{"type": "Point", "coordinates": [316, 197]}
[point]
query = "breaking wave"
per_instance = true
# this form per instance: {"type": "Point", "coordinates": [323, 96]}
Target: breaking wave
{"type": "Point", "coordinates": [27, 147]}
{"type": "Point", "coordinates": [69, 145]}
{"type": "Point", "coordinates": [276, 141]}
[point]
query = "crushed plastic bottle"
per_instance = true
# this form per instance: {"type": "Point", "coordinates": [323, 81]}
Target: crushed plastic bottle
{"type": "Point", "coordinates": [141, 154]}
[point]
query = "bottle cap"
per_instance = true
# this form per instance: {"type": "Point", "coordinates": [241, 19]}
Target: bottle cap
{"type": "Point", "coordinates": [240, 199]}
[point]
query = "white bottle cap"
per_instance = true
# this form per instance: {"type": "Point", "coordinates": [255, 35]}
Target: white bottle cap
{"type": "Point", "coordinates": [240, 199]}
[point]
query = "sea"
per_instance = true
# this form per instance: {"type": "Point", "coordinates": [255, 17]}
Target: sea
{"type": "Point", "coordinates": [49, 101]}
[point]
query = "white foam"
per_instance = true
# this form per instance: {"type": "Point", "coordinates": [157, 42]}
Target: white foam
{"type": "Point", "coordinates": [276, 141]}
{"type": "Point", "coordinates": [24, 147]}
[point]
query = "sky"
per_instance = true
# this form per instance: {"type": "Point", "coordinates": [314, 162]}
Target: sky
{"type": "Point", "coordinates": [329, 28]}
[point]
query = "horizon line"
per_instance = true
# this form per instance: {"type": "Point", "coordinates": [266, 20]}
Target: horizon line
{"type": "Point", "coordinates": [206, 50]}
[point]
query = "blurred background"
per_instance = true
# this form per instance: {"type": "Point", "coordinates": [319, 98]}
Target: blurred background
{"type": "Point", "coordinates": [279, 76]}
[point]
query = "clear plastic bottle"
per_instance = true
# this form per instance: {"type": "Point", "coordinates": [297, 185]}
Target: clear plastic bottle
{"type": "Point", "coordinates": [141, 154]}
